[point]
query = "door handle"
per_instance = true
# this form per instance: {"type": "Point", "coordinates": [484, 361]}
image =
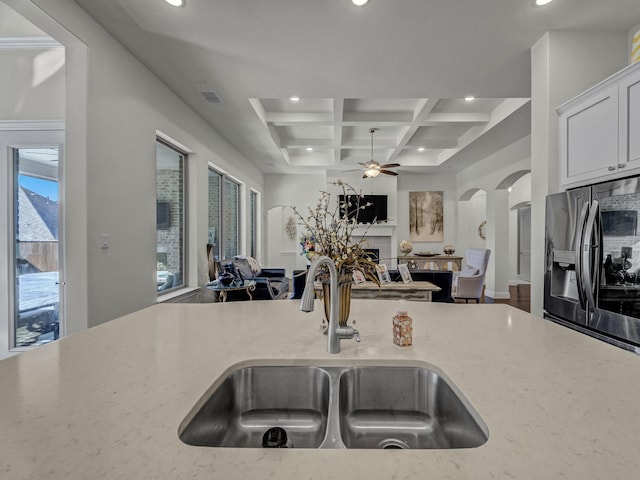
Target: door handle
{"type": "Point", "coordinates": [591, 228]}
{"type": "Point", "coordinates": [580, 255]}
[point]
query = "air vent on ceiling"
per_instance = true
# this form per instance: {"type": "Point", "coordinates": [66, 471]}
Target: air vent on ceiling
{"type": "Point", "coordinates": [212, 97]}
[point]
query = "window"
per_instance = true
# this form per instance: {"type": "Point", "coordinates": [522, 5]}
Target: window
{"type": "Point", "coordinates": [170, 217]}
{"type": "Point", "coordinates": [224, 215]}
{"type": "Point", "coordinates": [37, 246]}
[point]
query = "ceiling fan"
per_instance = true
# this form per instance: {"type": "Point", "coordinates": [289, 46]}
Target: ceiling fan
{"type": "Point", "coordinates": [372, 168]}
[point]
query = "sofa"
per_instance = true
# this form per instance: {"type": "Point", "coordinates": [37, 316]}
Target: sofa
{"type": "Point", "coordinates": [271, 283]}
{"type": "Point", "coordinates": [440, 278]}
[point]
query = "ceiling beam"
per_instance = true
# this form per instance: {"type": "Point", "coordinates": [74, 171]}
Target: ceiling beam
{"type": "Point", "coordinates": [283, 119]}
{"type": "Point", "coordinates": [444, 118]}
{"type": "Point", "coordinates": [422, 110]}
{"type": "Point", "coordinates": [338, 114]}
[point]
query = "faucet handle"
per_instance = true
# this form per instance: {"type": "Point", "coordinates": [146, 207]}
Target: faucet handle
{"type": "Point", "coordinates": [356, 333]}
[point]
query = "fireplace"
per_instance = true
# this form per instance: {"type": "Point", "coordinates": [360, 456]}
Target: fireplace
{"type": "Point", "coordinates": [374, 254]}
{"type": "Point", "coordinates": [380, 244]}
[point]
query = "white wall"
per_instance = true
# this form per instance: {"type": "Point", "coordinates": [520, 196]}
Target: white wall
{"type": "Point", "coordinates": [563, 64]}
{"type": "Point", "coordinates": [32, 80]}
{"type": "Point", "coordinates": [470, 214]}
{"type": "Point", "coordinates": [115, 108]}
{"type": "Point", "coordinates": [282, 192]}
{"type": "Point", "coordinates": [492, 176]}
{"type": "Point", "coordinates": [36, 91]}
{"type": "Point", "coordinates": [412, 182]}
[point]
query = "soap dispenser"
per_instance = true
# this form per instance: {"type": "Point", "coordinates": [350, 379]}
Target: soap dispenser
{"type": "Point", "coordinates": [402, 326]}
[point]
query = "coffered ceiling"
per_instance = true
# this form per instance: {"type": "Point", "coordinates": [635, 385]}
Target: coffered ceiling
{"type": "Point", "coordinates": [402, 67]}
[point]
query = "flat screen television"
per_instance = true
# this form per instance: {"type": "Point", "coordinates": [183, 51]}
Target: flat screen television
{"type": "Point", "coordinates": [163, 215]}
{"type": "Point", "coordinates": [619, 223]}
{"type": "Point", "coordinates": [375, 212]}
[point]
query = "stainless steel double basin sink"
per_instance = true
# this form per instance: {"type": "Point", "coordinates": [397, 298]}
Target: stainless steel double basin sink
{"type": "Point", "coordinates": [370, 406]}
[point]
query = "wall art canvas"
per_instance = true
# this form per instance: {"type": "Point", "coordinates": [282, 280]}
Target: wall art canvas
{"type": "Point", "coordinates": [426, 217]}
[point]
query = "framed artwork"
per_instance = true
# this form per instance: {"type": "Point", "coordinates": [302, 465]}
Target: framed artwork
{"type": "Point", "coordinates": [426, 216]}
{"type": "Point", "coordinates": [383, 273]}
{"type": "Point", "coordinates": [358, 277]}
{"type": "Point", "coordinates": [403, 268]}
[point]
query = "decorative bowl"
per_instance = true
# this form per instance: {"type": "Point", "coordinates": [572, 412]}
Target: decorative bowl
{"type": "Point", "coordinates": [449, 249]}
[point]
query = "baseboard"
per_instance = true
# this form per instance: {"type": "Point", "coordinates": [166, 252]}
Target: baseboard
{"type": "Point", "coordinates": [497, 295]}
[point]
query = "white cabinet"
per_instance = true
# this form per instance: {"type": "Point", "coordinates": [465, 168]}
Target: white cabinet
{"type": "Point", "coordinates": [630, 120]}
{"type": "Point", "coordinates": [600, 131]}
{"type": "Point", "coordinates": [589, 137]}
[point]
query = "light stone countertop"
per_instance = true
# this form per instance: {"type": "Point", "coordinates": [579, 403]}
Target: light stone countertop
{"type": "Point", "coordinates": [107, 402]}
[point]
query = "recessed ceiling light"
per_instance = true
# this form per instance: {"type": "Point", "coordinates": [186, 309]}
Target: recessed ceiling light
{"type": "Point", "coordinates": [421, 149]}
{"type": "Point", "coordinates": [309, 149]}
{"type": "Point", "coordinates": [295, 98]}
{"type": "Point", "coordinates": [542, 2]}
{"type": "Point", "coordinates": [360, 3]}
{"type": "Point", "coordinates": [176, 3]}
{"type": "Point", "coordinates": [469, 98]}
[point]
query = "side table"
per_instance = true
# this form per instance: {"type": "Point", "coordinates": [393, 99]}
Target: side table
{"type": "Point", "coordinates": [221, 290]}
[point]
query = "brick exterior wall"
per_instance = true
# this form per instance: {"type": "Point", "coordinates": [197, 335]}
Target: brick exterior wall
{"type": "Point", "coordinates": [170, 187]}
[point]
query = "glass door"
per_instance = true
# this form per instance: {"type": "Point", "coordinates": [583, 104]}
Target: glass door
{"type": "Point", "coordinates": [618, 299]}
{"type": "Point", "coordinates": [36, 246]}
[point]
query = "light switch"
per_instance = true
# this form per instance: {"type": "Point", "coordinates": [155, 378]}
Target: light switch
{"type": "Point", "coordinates": [105, 240]}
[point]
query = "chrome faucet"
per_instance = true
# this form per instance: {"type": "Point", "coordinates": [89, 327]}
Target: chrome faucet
{"type": "Point", "coordinates": [334, 332]}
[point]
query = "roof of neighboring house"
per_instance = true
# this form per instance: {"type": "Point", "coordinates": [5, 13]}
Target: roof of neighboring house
{"type": "Point", "coordinates": [37, 217]}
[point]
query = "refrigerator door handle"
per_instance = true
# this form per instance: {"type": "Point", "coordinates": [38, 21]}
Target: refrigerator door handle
{"type": "Point", "coordinates": [589, 275]}
{"type": "Point", "coordinates": [579, 255]}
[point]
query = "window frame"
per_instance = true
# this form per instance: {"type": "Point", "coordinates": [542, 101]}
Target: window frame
{"type": "Point", "coordinates": [184, 160]}
{"type": "Point", "coordinates": [222, 227]}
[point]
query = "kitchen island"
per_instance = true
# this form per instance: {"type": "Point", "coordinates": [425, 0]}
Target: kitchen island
{"type": "Point", "coordinates": [107, 402]}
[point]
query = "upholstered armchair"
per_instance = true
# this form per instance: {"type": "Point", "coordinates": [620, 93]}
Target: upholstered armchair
{"type": "Point", "coordinates": [468, 283]}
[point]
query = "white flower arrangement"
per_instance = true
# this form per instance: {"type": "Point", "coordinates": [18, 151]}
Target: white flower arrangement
{"type": "Point", "coordinates": [331, 227]}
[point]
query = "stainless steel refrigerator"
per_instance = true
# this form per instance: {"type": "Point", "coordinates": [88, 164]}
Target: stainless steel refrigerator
{"type": "Point", "coordinates": [592, 271]}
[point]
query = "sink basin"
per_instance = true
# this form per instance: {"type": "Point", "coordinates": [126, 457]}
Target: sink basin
{"type": "Point", "coordinates": [252, 400]}
{"type": "Point", "coordinates": [372, 407]}
{"type": "Point", "coordinates": [405, 407]}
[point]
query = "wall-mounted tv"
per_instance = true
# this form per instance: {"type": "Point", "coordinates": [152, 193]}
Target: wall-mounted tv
{"type": "Point", "coordinates": [375, 212]}
{"type": "Point", "coordinates": [619, 223]}
{"type": "Point", "coordinates": [163, 215]}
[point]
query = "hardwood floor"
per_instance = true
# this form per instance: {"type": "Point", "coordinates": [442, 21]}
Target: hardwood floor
{"type": "Point", "coordinates": [520, 297]}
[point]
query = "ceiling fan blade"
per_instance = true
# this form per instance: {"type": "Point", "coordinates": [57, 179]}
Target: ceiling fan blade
{"type": "Point", "coordinates": [390, 165]}
{"type": "Point", "coordinates": [353, 170]}
{"type": "Point", "coordinates": [388, 172]}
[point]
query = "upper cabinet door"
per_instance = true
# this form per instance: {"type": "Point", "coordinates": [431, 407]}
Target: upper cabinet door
{"type": "Point", "coordinates": [630, 120]}
{"type": "Point", "coordinates": [589, 137]}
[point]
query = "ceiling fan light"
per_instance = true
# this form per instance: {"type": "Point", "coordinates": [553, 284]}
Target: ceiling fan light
{"type": "Point", "coordinates": [371, 172]}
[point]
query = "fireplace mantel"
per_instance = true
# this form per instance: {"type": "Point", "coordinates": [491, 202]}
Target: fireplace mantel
{"type": "Point", "coordinates": [376, 230]}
